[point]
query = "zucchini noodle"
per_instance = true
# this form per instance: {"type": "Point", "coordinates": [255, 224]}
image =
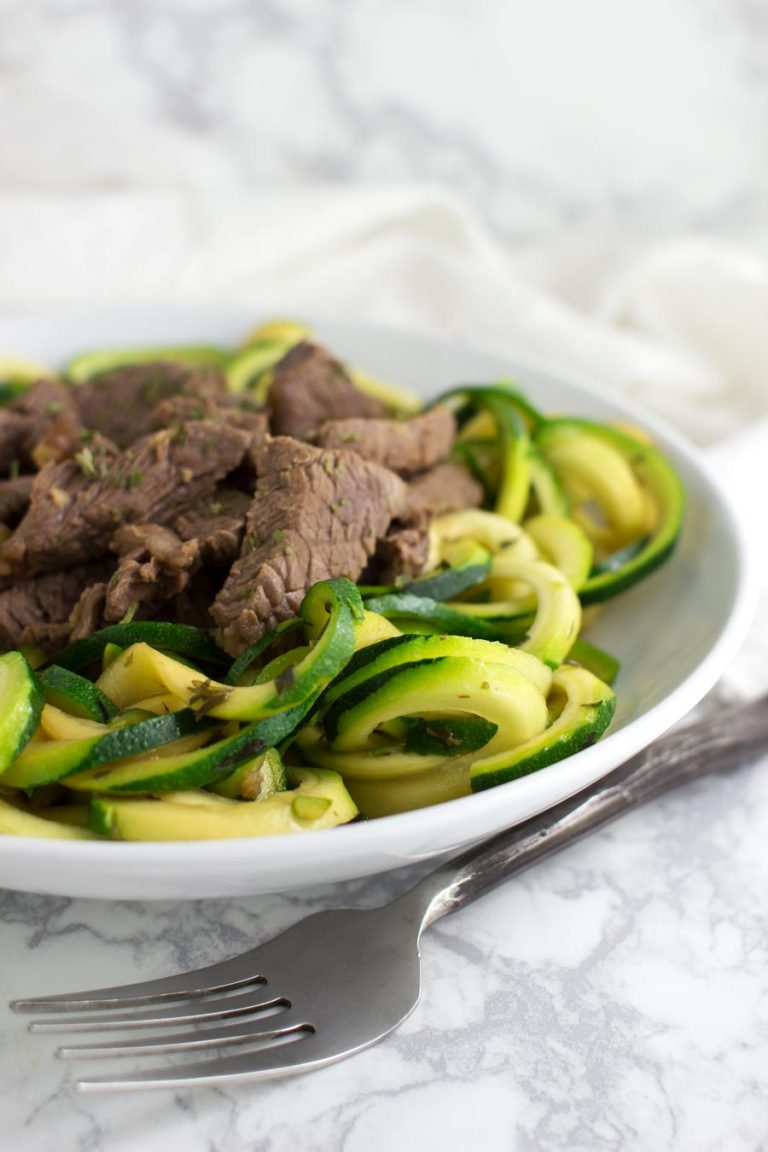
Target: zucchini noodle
{"type": "Point", "coordinates": [373, 700]}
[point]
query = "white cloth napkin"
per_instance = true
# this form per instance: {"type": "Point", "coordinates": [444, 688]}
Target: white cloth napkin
{"type": "Point", "coordinates": [682, 325]}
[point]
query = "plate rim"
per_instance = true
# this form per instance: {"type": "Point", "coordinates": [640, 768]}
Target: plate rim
{"type": "Point", "coordinates": [347, 842]}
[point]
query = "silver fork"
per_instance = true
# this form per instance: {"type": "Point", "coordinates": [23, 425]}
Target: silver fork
{"type": "Point", "coordinates": [340, 980]}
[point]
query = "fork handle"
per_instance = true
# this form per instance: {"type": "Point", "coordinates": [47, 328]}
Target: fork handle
{"type": "Point", "coordinates": [731, 737]}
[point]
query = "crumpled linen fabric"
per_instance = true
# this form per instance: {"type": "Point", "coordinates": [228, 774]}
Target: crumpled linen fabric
{"type": "Point", "coordinates": [680, 324]}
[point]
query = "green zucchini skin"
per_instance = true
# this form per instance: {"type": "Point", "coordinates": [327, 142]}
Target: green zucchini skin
{"type": "Point", "coordinates": [330, 612]}
{"type": "Point", "coordinates": [16, 375]}
{"type": "Point", "coordinates": [18, 822]}
{"type": "Point", "coordinates": [596, 660]}
{"type": "Point", "coordinates": [358, 695]}
{"type": "Point", "coordinates": [656, 473]}
{"type": "Point", "coordinates": [245, 372]}
{"type": "Point", "coordinates": [379, 659]}
{"type": "Point", "coordinates": [316, 799]}
{"type": "Point", "coordinates": [359, 724]}
{"type": "Point", "coordinates": [9, 391]}
{"type": "Point", "coordinates": [549, 494]}
{"type": "Point", "coordinates": [447, 735]}
{"type": "Point", "coordinates": [589, 708]}
{"type": "Point", "coordinates": [516, 419]}
{"type": "Point", "coordinates": [254, 779]}
{"type": "Point", "coordinates": [181, 639]}
{"type": "Point", "coordinates": [197, 769]}
{"type": "Point", "coordinates": [330, 609]}
{"type": "Point", "coordinates": [446, 584]}
{"type": "Point", "coordinates": [89, 364]}
{"type": "Point", "coordinates": [385, 779]}
{"type": "Point", "coordinates": [22, 702]}
{"type": "Point", "coordinates": [75, 694]}
{"type": "Point", "coordinates": [55, 760]}
{"type": "Point", "coordinates": [246, 659]}
{"type": "Point", "coordinates": [503, 392]}
{"type": "Point", "coordinates": [402, 606]}
{"type": "Point", "coordinates": [403, 715]}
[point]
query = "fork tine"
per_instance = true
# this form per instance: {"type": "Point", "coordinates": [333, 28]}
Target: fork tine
{"type": "Point", "coordinates": [196, 1013]}
{"type": "Point", "coordinates": [286, 1060]}
{"type": "Point", "coordinates": [187, 1041]}
{"type": "Point", "coordinates": [237, 972]}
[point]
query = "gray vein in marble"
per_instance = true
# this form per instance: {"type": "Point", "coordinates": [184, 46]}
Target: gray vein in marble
{"type": "Point", "coordinates": [178, 61]}
{"type": "Point", "coordinates": [572, 1004]}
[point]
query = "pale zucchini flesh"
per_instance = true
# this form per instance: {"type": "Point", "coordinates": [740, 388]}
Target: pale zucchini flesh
{"type": "Point", "coordinates": [316, 800]}
{"type": "Point", "coordinates": [469, 675]}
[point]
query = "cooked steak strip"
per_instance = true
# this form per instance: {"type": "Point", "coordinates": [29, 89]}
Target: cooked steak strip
{"type": "Point", "coordinates": [120, 403]}
{"type": "Point", "coordinates": [239, 412]}
{"type": "Point", "coordinates": [316, 514]}
{"type": "Point", "coordinates": [155, 565]}
{"type": "Point", "coordinates": [192, 605]}
{"type": "Point", "coordinates": [309, 387]}
{"type": "Point", "coordinates": [402, 445]}
{"type": "Point", "coordinates": [400, 555]}
{"type": "Point", "coordinates": [445, 488]}
{"type": "Point", "coordinates": [87, 616]}
{"type": "Point", "coordinates": [36, 611]}
{"type": "Point", "coordinates": [30, 417]}
{"type": "Point", "coordinates": [77, 505]}
{"type": "Point", "coordinates": [403, 552]}
{"type": "Point", "coordinates": [14, 499]}
{"type": "Point", "coordinates": [230, 408]}
{"type": "Point", "coordinates": [62, 439]}
{"type": "Point", "coordinates": [180, 409]}
{"type": "Point", "coordinates": [218, 526]}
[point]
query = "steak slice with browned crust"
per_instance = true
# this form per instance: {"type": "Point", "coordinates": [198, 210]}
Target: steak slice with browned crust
{"type": "Point", "coordinates": [309, 387]}
{"type": "Point", "coordinates": [405, 446]}
{"type": "Point", "coordinates": [36, 611]}
{"type": "Point", "coordinates": [218, 526]}
{"type": "Point", "coordinates": [154, 566]}
{"type": "Point", "coordinates": [87, 616]}
{"type": "Point", "coordinates": [447, 487]}
{"type": "Point", "coordinates": [238, 411]}
{"type": "Point", "coordinates": [120, 402]}
{"type": "Point", "coordinates": [14, 499]}
{"type": "Point", "coordinates": [77, 505]}
{"type": "Point", "coordinates": [316, 514]}
{"type": "Point", "coordinates": [402, 554]}
{"type": "Point", "coordinates": [30, 417]}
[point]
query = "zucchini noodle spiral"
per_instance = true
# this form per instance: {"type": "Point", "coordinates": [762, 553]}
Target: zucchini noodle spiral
{"type": "Point", "coordinates": [374, 699]}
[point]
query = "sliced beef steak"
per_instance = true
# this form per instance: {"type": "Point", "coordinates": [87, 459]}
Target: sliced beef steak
{"type": "Point", "coordinates": [14, 499]}
{"type": "Point", "coordinates": [45, 410]}
{"type": "Point", "coordinates": [36, 611]}
{"type": "Point", "coordinates": [238, 412]}
{"type": "Point", "coordinates": [87, 616]}
{"type": "Point", "coordinates": [218, 526]}
{"type": "Point", "coordinates": [316, 514]}
{"type": "Point", "coordinates": [310, 387]}
{"type": "Point", "coordinates": [403, 552]}
{"type": "Point", "coordinates": [400, 555]}
{"type": "Point", "coordinates": [120, 403]}
{"type": "Point", "coordinates": [155, 565]}
{"type": "Point", "coordinates": [402, 445]}
{"type": "Point", "coordinates": [77, 505]}
{"type": "Point", "coordinates": [445, 488]}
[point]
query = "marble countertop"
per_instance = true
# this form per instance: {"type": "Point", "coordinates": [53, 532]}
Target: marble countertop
{"type": "Point", "coordinates": [543, 117]}
{"type": "Point", "coordinates": [613, 998]}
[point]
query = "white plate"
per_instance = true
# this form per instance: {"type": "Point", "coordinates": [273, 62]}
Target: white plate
{"type": "Point", "coordinates": [673, 634]}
